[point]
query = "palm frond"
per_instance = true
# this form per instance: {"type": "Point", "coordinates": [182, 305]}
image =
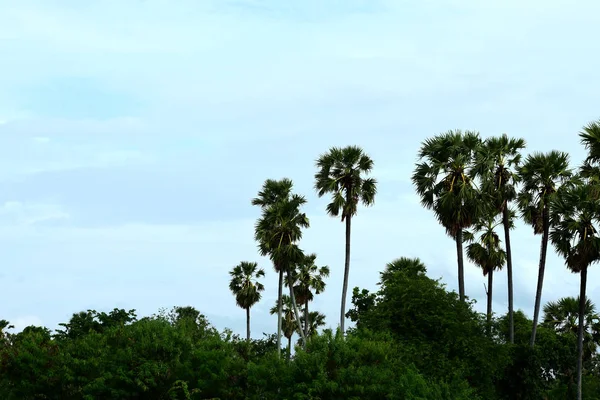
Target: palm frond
{"type": "Point", "coordinates": [341, 173]}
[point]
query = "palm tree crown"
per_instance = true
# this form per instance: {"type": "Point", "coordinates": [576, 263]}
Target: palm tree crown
{"type": "Point", "coordinates": [574, 219]}
{"type": "Point", "coordinates": [309, 279]}
{"type": "Point", "coordinates": [563, 316]}
{"type": "Point", "coordinates": [341, 172]}
{"type": "Point", "coordinates": [244, 284]}
{"type": "Point", "coordinates": [487, 253]}
{"type": "Point", "coordinates": [496, 163]}
{"type": "Point", "coordinates": [279, 227]}
{"type": "Point", "coordinates": [541, 175]}
{"type": "Point", "coordinates": [444, 180]}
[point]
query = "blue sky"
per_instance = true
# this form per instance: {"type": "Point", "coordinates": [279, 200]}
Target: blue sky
{"type": "Point", "coordinates": [133, 135]}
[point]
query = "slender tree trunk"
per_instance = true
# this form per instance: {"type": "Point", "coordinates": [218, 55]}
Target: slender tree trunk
{"type": "Point", "coordinates": [289, 348]}
{"type": "Point", "coordinates": [509, 272]}
{"type": "Point", "coordinates": [582, 299]}
{"type": "Point", "coordinates": [248, 324]}
{"type": "Point", "coordinates": [461, 267]}
{"type": "Point", "coordinates": [306, 321]}
{"type": "Point", "coordinates": [489, 299]}
{"type": "Point", "coordinates": [296, 312]}
{"type": "Point", "coordinates": [279, 312]}
{"type": "Point", "coordinates": [346, 273]}
{"type": "Point", "coordinates": [540, 283]}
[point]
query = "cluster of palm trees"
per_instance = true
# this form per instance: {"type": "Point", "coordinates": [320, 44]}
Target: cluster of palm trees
{"type": "Point", "coordinates": [341, 173]}
{"type": "Point", "coordinates": [474, 185]}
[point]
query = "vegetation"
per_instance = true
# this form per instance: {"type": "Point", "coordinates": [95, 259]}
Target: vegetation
{"type": "Point", "coordinates": [341, 172]}
{"type": "Point", "coordinates": [411, 339]}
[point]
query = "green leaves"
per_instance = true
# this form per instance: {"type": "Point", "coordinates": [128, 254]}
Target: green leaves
{"type": "Point", "coordinates": [341, 173]}
{"type": "Point", "coordinates": [244, 284]}
{"type": "Point", "coordinates": [444, 179]}
{"type": "Point", "coordinates": [574, 217]}
{"type": "Point", "coordinates": [281, 223]}
{"type": "Point", "coordinates": [487, 253]}
{"type": "Point", "coordinates": [541, 175]}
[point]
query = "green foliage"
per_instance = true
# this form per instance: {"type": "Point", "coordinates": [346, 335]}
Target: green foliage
{"type": "Point", "coordinates": [341, 172]}
{"type": "Point", "coordinates": [244, 284]}
{"type": "Point", "coordinates": [444, 336]}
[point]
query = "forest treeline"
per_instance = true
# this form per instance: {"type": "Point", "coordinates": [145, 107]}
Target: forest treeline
{"type": "Point", "coordinates": [411, 339]}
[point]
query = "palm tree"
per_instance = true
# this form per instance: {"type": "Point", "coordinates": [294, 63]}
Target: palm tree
{"type": "Point", "coordinates": [277, 232]}
{"type": "Point", "coordinates": [574, 220]}
{"type": "Point", "coordinates": [487, 255]}
{"type": "Point", "coordinates": [316, 320]}
{"type": "Point", "coordinates": [443, 180]}
{"type": "Point", "coordinates": [272, 191]}
{"type": "Point", "coordinates": [246, 288]}
{"type": "Point", "coordinates": [289, 320]}
{"type": "Point", "coordinates": [495, 163]}
{"type": "Point", "coordinates": [541, 176]}
{"type": "Point", "coordinates": [341, 172]}
{"type": "Point", "coordinates": [563, 316]}
{"type": "Point", "coordinates": [308, 281]}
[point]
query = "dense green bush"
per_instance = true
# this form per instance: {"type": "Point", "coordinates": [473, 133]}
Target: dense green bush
{"type": "Point", "coordinates": [413, 340]}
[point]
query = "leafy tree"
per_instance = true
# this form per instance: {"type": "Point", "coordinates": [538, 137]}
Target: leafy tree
{"type": "Point", "coordinates": [247, 289]}
{"type": "Point", "coordinates": [442, 335]}
{"type": "Point", "coordinates": [496, 163]}
{"type": "Point", "coordinates": [341, 172]}
{"type": "Point", "coordinates": [487, 254]}
{"type": "Point", "coordinates": [574, 220]}
{"type": "Point", "coordinates": [541, 176]}
{"type": "Point", "coordinates": [443, 180]}
{"type": "Point", "coordinates": [309, 281]}
{"type": "Point", "coordinates": [88, 321]}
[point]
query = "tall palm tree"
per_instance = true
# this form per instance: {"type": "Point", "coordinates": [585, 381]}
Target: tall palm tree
{"type": "Point", "coordinates": [443, 180]}
{"type": "Point", "coordinates": [289, 323]}
{"type": "Point", "coordinates": [542, 174]}
{"type": "Point", "coordinates": [246, 288]}
{"type": "Point", "coordinates": [341, 172]}
{"type": "Point", "coordinates": [487, 254]}
{"type": "Point", "coordinates": [277, 232]}
{"type": "Point", "coordinates": [309, 280]}
{"type": "Point", "coordinates": [575, 219]}
{"type": "Point", "coordinates": [271, 192]}
{"type": "Point", "coordinates": [495, 163]}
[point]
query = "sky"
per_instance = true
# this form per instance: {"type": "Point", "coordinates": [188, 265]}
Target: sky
{"type": "Point", "coordinates": [134, 134]}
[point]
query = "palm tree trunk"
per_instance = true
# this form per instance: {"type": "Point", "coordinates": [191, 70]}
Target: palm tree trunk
{"type": "Point", "coordinates": [296, 312]}
{"type": "Point", "coordinates": [279, 312]}
{"type": "Point", "coordinates": [582, 299]}
{"type": "Point", "coordinates": [461, 267]}
{"type": "Point", "coordinates": [540, 283]}
{"type": "Point", "coordinates": [489, 299]}
{"type": "Point", "coordinates": [509, 271]}
{"type": "Point", "coordinates": [306, 321]}
{"type": "Point", "coordinates": [289, 348]}
{"type": "Point", "coordinates": [248, 324]}
{"type": "Point", "coordinates": [346, 273]}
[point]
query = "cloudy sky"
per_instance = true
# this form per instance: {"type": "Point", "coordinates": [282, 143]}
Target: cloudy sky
{"type": "Point", "coordinates": [133, 135]}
